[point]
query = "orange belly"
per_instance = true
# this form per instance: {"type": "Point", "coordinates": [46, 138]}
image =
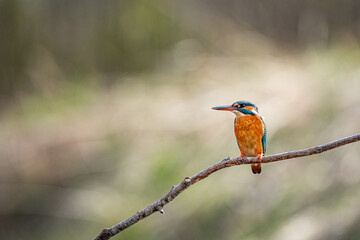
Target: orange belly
{"type": "Point", "coordinates": [249, 131]}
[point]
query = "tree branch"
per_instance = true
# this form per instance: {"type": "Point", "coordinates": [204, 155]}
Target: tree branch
{"type": "Point", "coordinates": [107, 233]}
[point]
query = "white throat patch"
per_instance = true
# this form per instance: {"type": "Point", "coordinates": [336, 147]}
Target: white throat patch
{"type": "Point", "coordinates": [238, 114]}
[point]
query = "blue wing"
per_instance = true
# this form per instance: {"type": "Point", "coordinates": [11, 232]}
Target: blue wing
{"type": "Point", "coordinates": [263, 140]}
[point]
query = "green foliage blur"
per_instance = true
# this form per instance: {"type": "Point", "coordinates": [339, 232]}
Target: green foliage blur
{"type": "Point", "coordinates": [104, 105]}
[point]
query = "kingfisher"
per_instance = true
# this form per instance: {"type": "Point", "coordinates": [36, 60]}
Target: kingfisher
{"type": "Point", "coordinates": [250, 131]}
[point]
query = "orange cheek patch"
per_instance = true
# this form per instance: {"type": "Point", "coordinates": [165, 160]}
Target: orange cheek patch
{"type": "Point", "coordinates": [249, 108]}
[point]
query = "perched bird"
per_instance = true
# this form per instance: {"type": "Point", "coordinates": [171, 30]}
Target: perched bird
{"type": "Point", "coordinates": [250, 130]}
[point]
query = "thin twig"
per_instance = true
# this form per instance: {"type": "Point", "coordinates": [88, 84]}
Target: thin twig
{"type": "Point", "coordinates": [107, 233]}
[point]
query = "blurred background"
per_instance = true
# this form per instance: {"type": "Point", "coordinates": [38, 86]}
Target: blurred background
{"type": "Point", "coordinates": [104, 105]}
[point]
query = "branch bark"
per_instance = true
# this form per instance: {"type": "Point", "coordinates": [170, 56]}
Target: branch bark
{"type": "Point", "coordinates": [107, 233]}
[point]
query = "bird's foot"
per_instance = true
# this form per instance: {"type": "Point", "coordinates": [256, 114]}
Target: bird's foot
{"type": "Point", "coordinates": [260, 157]}
{"type": "Point", "coordinates": [241, 156]}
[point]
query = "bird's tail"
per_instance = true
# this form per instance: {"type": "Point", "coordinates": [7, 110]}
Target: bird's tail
{"type": "Point", "coordinates": [256, 168]}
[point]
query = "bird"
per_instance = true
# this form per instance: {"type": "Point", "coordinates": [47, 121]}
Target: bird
{"type": "Point", "coordinates": [250, 130]}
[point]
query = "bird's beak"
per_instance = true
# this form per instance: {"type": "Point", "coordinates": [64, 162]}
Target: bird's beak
{"type": "Point", "coordinates": [225, 108]}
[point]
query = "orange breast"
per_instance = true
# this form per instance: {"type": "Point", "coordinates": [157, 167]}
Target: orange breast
{"type": "Point", "coordinates": [249, 132]}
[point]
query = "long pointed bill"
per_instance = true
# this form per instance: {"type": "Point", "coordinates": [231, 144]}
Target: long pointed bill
{"type": "Point", "coordinates": [225, 108]}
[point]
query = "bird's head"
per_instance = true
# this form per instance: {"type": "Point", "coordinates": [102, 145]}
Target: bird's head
{"type": "Point", "coordinates": [240, 108]}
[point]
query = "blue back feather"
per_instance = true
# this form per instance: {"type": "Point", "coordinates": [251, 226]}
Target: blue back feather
{"type": "Point", "coordinates": [264, 136]}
